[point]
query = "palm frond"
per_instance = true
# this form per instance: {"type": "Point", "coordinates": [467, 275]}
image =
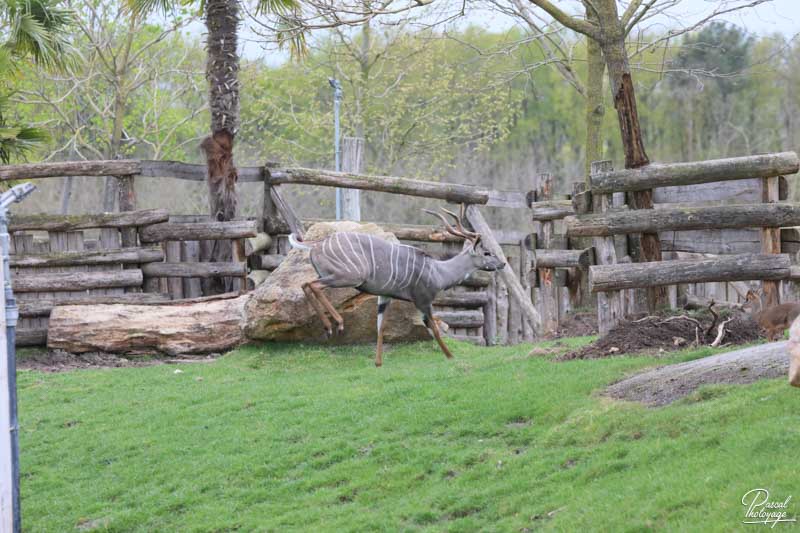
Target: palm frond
{"type": "Point", "coordinates": [145, 7]}
{"type": "Point", "coordinates": [291, 34]}
{"type": "Point", "coordinates": [39, 29]}
{"type": "Point", "coordinates": [280, 7]}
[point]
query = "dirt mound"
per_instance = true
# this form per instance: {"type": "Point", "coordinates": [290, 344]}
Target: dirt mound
{"type": "Point", "coordinates": [664, 333]}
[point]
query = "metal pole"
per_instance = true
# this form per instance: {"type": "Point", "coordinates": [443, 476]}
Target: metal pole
{"type": "Point", "coordinates": [337, 101]}
{"type": "Point", "coordinates": [16, 194]}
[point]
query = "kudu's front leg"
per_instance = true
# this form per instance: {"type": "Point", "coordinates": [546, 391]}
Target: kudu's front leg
{"type": "Point", "coordinates": [316, 287]}
{"type": "Point", "coordinates": [433, 327]}
{"type": "Point", "coordinates": [312, 299]}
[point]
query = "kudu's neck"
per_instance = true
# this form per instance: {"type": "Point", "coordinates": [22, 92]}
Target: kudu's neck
{"type": "Point", "coordinates": [454, 270]}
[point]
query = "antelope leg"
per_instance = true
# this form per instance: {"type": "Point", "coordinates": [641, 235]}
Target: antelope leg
{"type": "Point", "coordinates": [312, 299]}
{"type": "Point", "coordinates": [316, 287]}
{"type": "Point", "coordinates": [431, 323]}
{"type": "Point", "coordinates": [383, 303]}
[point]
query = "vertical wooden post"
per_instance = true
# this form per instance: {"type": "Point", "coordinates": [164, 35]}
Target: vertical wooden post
{"type": "Point", "coordinates": [526, 259]}
{"type": "Point", "coordinates": [127, 202]}
{"type": "Point", "coordinates": [501, 297]}
{"type": "Point", "coordinates": [770, 239]}
{"type": "Point", "coordinates": [352, 162]}
{"type": "Point", "coordinates": [273, 224]}
{"type": "Point", "coordinates": [548, 289]}
{"type": "Point", "coordinates": [6, 462]}
{"type": "Point", "coordinates": [609, 304]}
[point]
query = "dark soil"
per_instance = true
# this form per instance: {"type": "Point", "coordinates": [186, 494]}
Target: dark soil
{"type": "Point", "coordinates": [664, 334]}
{"type": "Point", "coordinates": [578, 325]}
{"type": "Point", "coordinates": [59, 361]}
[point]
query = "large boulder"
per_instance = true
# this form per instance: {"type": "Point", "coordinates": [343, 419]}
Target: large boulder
{"type": "Point", "coordinates": [277, 309]}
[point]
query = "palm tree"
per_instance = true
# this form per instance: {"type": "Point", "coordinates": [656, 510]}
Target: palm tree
{"type": "Point", "coordinates": [35, 30]}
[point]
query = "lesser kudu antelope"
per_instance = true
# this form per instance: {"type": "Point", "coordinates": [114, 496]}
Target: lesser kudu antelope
{"type": "Point", "coordinates": [390, 270]}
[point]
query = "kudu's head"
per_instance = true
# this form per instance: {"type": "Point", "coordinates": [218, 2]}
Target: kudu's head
{"type": "Point", "coordinates": [482, 258]}
{"type": "Point", "coordinates": [754, 302]}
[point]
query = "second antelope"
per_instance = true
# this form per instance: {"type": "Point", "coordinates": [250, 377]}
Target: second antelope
{"type": "Point", "coordinates": [390, 270]}
{"type": "Point", "coordinates": [774, 320]}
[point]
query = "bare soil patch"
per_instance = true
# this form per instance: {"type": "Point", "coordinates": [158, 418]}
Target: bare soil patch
{"type": "Point", "coordinates": [44, 360]}
{"type": "Point", "coordinates": [665, 333]}
{"type": "Point", "coordinates": [578, 324]}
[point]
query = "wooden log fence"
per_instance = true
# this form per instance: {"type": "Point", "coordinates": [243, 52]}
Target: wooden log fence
{"type": "Point", "coordinates": [672, 174]}
{"type": "Point", "coordinates": [193, 231]}
{"type": "Point", "coordinates": [77, 281]}
{"type": "Point", "coordinates": [80, 222]}
{"type": "Point", "coordinates": [77, 258]}
{"type": "Point", "coordinates": [684, 219]}
{"type": "Point", "coordinates": [743, 267]}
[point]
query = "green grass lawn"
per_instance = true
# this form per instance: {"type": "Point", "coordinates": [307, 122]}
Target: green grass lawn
{"type": "Point", "coordinates": [278, 438]}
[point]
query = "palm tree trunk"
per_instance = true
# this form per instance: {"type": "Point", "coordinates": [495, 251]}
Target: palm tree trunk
{"type": "Point", "coordinates": [222, 73]}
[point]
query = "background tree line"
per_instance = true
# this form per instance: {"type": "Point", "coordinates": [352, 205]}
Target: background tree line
{"type": "Point", "coordinates": [464, 105]}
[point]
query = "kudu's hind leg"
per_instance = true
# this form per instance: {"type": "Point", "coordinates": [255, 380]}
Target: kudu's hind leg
{"type": "Point", "coordinates": [312, 299]}
{"type": "Point", "coordinates": [316, 286]}
{"type": "Point", "coordinates": [383, 303]}
{"type": "Point", "coordinates": [431, 324]}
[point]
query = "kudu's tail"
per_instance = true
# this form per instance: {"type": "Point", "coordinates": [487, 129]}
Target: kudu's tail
{"type": "Point", "coordinates": [296, 243]}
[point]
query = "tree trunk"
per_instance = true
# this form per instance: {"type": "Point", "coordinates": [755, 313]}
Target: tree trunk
{"type": "Point", "coordinates": [595, 110]}
{"type": "Point", "coordinates": [648, 246]}
{"type": "Point", "coordinates": [222, 72]}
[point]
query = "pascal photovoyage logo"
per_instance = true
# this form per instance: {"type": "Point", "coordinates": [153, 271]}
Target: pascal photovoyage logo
{"type": "Point", "coordinates": [761, 509]}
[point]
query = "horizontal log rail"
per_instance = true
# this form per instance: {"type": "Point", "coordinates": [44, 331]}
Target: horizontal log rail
{"type": "Point", "coordinates": [42, 307]}
{"type": "Point", "coordinates": [672, 174]}
{"type": "Point", "coordinates": [478, 279]}
{"type": "Point", "coordinates": [193, 172]}
{"type": "Point", "coordinates": [683, 219]}
{"type": "Point", "coordinates": [77, 258]}
{"type": "Point", "coordinates": [555, 258]}
{"type": "Point", "coordinates": [452, 192]}
{"type": "Point", "coordinates": [461, 319]}
{"type": "Point", "coordinates": [552, 210]}
{"type": "Point", "coordinates": [198, 231]}
{"type": "Point", "coordinates": [124, 219]}
{"type": "Point", "coordinates": [269, 261]}
{"type": "Point", "coordinates": [124, 167]}
{"type": "Point", "coordinates": [743, 267]}
{"type": "Point", "coordinates": [462, 299]}
{"type": "Point", "coordinates": [77, 281]}
{"type": "Point", "coordinates": [193, 270]}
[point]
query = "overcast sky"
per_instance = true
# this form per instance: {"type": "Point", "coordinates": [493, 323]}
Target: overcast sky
{"type": "Point", "coordinates": [781, 16]}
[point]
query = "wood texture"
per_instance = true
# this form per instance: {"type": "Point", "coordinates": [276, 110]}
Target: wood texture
{"type": "Point", "coordinates": [452, 192]}
{"type": "Point", "coordinates": [209, 326]}
{"type": "Point", "coordinates": [462, 299]}
{"type": "Point", "coordinates": [175, 231]}
{"type": "Point", "coordinates": [193, 172]}
{"type": "Point", "coordinates": [77, 281]}
{"type": "Point", "coordinates": [193, 270]}
{"type": "Point", "coordinates": [472, 318]}
{"type": "Point", "coordinates": [551, 210]}
{"type": "Point", "coordinates": [43, 306]}
{"type": "Point", "coordinates": [671, 174]}
{"type": "Point", "coordinates": [75, 258]}
{"type": "Point", "coordinates": [684, 219]}
{"type": "Point", "coordinates": [723, 268]}
{"type": "Point", "coordinates": [70, 168]}
{"type": "Point", "coordinates": [556, 258]}
{"type": "Point", "coordinates": [79, 222]}
{"type": "Point", "coordinates": [770, 240]}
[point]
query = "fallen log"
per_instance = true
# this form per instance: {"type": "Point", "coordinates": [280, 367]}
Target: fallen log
{"type": "Point", "coordinates": [698, 302]}
{"type": "Point", "coordinates": [77, 281]}
{"type": "Point", "coordinates": [193, 270]}
{"type": "Point", "coordinates": [210, 326]}
{"type": "Point", "coordinates": [722, 268]}
{"type": "Point", "coordinates": [125, 219]}
{"type": "Point", "coordinates": [666, 384]}
{"type": "Point", "coordinates": [198, 231]}
{"type": "Point", "coordinates": [683, 219]}
{"type": "Point", "coordinates": [43, 307]}
{"type": "Point", "coordinates": [76, 258]}
{"type": "Point", "coordinates": [672, 174]}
